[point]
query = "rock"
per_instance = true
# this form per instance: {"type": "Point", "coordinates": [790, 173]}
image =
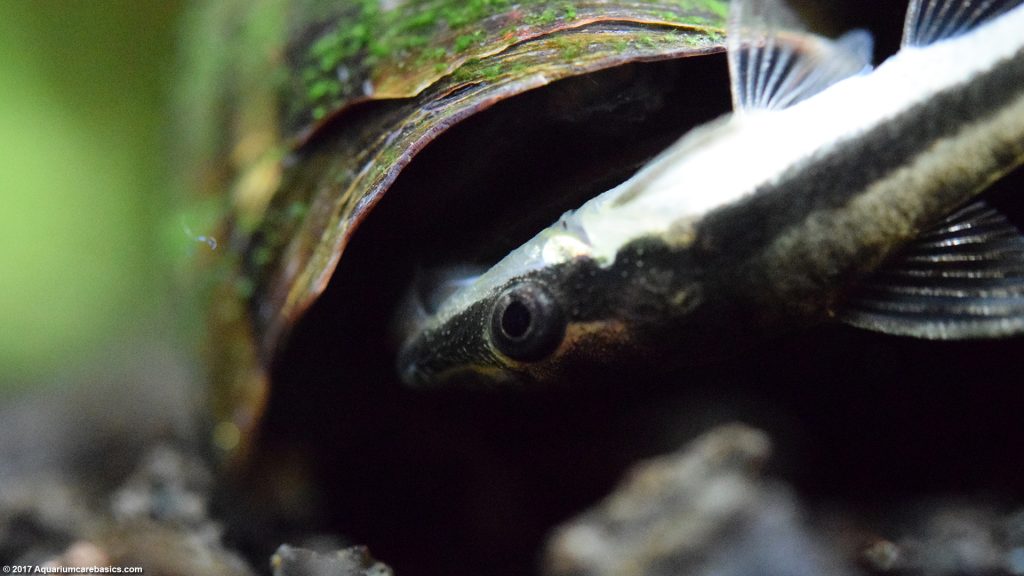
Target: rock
{"type": "Point", "coordinates": [163, 549]}
{"type": "Point", "coordinates": [354, 561]}
{"type": "Point", "coordinates": [168, 486]}
{"type": "Point", "coordinates": [703, 510]}
{"type": "Point", "coordinates": [160, 520]}
{"type": "Point", "coordinates": [40, 517]}
{"type": "Point", "coordinates": [157, 520]}
{"type": "Point", "coordinates": [944, 537]}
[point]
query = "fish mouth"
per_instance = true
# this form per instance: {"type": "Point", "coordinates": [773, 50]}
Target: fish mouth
{"type": "Point", "coordinates": [419, 367]}
{"type": "Point", "coordinates": [409, 365]}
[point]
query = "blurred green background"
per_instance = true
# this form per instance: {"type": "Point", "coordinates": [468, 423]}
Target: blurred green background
{"type": "Point", "coordinates": [90, 227]}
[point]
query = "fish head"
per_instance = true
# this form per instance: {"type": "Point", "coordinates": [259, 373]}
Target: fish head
{"type": "Point", "coordinates": [555, 323]}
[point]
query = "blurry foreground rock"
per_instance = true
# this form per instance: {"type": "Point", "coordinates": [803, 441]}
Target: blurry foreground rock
{"type": "Point", "coordinates": [109, 468]}
{"type": "Point", "coordinates": [88, 496]}
{"type": "Point", "coordinates": [950, 537]}
{"type": "Point", "coordinates": [103, 468]}
{"type": "Point", "coordinates": [707, 510]}
{"type": "Point", "coordinates": [355, 561]}
{"type": "Point", "coordinates": [157, 521]}
{"type": "Point", "coordinates": [704, 510]}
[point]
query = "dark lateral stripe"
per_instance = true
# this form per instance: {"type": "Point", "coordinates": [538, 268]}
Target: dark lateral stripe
{"type": "Point", "coordinates": [829, 181]}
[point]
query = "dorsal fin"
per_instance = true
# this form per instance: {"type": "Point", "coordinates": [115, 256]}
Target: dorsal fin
{"type": "Point", "coordinates": [929, 21]}
{"type": "Point", "coordinates": [775, 63]}
{"type": "Point", "coordinates": [964, 279]}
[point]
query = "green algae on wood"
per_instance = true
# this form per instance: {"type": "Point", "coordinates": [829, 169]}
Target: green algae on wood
{"type": "Point", "coordinates": [382, 54]}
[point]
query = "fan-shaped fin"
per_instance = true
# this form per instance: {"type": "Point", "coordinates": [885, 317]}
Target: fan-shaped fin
{"type": "Point", "coordinates": [929, 21]}
{"type": "Point", "coordinates": [775, 63]}
{"type": "Point", "coordinates": [965, 279]}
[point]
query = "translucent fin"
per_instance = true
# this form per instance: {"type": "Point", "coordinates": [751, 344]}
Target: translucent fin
{"type": "Point", "coordinates": [965, 279]}
{"type": "Point", "coordinates": [433, 286]}
{"type": "Point", "coordinates": [775, 63]}
{"type": "Point", "coordinates": [929, 21]}
{"type": "Point", "coordinates": [429, 289]}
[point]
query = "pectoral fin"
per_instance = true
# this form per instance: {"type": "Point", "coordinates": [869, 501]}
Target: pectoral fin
{"type": "Point", "coordinates": [964, 279]}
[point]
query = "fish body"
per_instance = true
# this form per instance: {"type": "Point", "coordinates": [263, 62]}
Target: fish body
{"type": "Point", "coordinates": [770, 219]}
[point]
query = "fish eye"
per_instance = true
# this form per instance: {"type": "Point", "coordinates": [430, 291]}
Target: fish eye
{"type": "Point", "coordinates": [526, 322]}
